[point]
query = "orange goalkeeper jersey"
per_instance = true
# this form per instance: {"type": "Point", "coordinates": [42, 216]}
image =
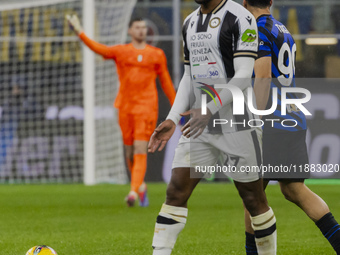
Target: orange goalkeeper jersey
{"type": "Point", "coordinates": [137, 70]}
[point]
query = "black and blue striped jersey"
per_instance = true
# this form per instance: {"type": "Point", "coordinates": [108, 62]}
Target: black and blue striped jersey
{"type": "Point", "coordinates": [276, 42]}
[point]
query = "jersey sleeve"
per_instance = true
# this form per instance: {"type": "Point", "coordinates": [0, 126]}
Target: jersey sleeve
{"type": "Point", "coordinates": [165, 79]}
{"type": "Point", "coordinates": [185, 46]}
{"type": "Point", "coordinates": [108, 52]}
{"type": "Point", "coordinates": [245, 37]}
{"type": "Point", "coordinates": [265, 44]}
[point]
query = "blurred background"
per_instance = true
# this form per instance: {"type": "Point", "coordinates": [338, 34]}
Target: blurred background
{"type": "Point", "coordinates": [314, 24]}
{"type": "Point", "coordinates": [42, 92]}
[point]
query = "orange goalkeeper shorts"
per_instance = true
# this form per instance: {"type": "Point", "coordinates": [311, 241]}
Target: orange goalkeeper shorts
{"type": "Point", "coordinates": [136, 127]}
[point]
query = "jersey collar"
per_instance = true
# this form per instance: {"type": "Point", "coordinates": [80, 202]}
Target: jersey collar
{"type": "Point", "coordinates": [263, 15]}
{"type": "Point", "coordinates": [216, 9]}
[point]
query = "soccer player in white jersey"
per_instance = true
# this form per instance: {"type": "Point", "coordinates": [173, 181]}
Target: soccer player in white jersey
{"type": "Point", "coordinates": [220, 44]}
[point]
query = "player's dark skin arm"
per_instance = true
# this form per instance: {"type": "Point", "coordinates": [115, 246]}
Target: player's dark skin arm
{"type": "Point", "coordinates": [263, 75]}
{"type": "Point", "coordinates": [161, 136]}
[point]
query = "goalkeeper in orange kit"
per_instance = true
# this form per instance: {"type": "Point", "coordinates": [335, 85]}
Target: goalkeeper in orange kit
{"type": "Point", "coordinates": [138, 65]}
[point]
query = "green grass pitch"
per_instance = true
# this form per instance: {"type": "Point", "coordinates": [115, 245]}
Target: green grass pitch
{"type": "Point", "coordinates": [80, 220]}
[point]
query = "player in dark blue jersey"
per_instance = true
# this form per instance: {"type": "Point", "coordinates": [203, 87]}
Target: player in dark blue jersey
{"type": "Point", "coordinates": [282, 145]}
{"type": "Point", "coordinates": [277, 43]}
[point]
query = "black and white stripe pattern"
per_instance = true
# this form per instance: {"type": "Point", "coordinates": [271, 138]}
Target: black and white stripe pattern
{"type": "Point", "coordinates": [211, 43]}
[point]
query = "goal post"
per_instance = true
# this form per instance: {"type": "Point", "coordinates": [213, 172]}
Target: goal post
{"type": "Point", "coordinates": [57, 121]}
{"type": "Point", "coordinates": [112, 19]}
{"type": "Point", "coordinates": [89, 96]}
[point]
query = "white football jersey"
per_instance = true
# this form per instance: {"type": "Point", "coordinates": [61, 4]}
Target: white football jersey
{"type": "Point", "coordinates": [211, 42]}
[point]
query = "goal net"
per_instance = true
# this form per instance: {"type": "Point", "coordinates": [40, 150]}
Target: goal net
{"type": "Point", "coordinates": [42, 94]}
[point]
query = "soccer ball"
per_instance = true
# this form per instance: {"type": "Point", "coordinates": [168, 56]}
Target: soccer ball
{"type": "Point", "coordinates": [41, 250]}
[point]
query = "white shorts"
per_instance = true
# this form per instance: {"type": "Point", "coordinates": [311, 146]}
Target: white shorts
{"type": "Point", "coordinates": [241, 154]}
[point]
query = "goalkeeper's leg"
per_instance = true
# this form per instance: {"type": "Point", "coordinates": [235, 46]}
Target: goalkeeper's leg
{"type": "Point", "coordinates": [128, 152]}
{"type": "Point", "coordinates": [136, 134]}
{"type": "Point", "coordinates": [134, 163]}
{"type": "Point", "coordinates": [143, 127]}
{"type": "Point", "coordinates": [139, 166]}
{"type": "Point", "coordinates": [173, 215]}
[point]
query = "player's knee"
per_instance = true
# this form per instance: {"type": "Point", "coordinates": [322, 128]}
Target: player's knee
{"type": "Point", "coordinates": [289, 194]}
{"type": "Point", "coordinates": [140, 148]}
{"type": "Point", "coordinates": [250, 203]}
{"type": "Point", "coordinates": [291, 191]}
{"type": "Point", "coordinates": [139, 151]}
{"type": "Point", "coordinates": [176, 196]}
{"type": "Point", "coordinates": [253, 203]}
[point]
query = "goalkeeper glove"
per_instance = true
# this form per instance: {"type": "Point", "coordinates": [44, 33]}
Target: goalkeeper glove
{"type": "Point", "coordinates": [74, 22]}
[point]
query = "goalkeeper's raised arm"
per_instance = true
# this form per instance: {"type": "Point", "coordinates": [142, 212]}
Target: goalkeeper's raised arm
{"type": "Point", "coordinates": [101, 49]}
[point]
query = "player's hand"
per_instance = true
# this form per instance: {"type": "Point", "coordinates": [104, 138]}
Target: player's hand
{"type": "Point", "coordinates": [161, 136]}
{"type": "Point", "coordinates": [74, 22]}
{"type": "Point", "coordinates": [197, 123]}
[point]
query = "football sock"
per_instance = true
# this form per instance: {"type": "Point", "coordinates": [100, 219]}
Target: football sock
{"type": "Point", "coordinates": [138, 171]}
{"type": "Point", "coordinates": [142, 187]}
{"type": "Point", "coordinates": [264, 226]}
{"type": "Point", "coordinates": [170, 222]}
{"type": "Point", "coordinates": [331, 230]}
{"type": "Point", "coordinates": [250, 244]}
